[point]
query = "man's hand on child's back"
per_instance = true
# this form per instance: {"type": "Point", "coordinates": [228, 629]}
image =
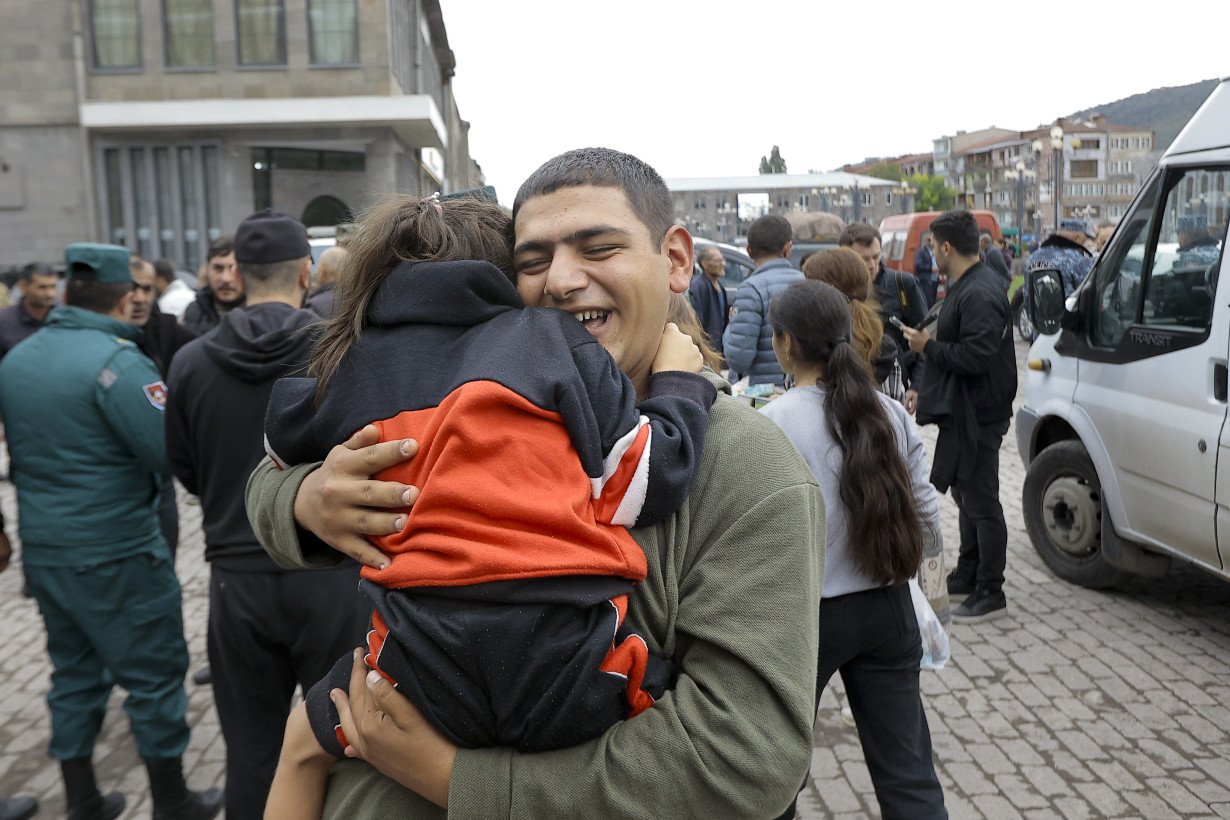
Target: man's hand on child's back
{"type": "Point", "coordinates": [677, 351]}
{"type": "Point", "coordinates": [341, 503]}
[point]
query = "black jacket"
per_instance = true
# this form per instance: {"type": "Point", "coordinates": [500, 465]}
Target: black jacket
{"type": "Point", "coordinates": [900, 296]}
{"type": "Point", "coordinates": [161, 339]}
{"type": "Point", "coordinates": [711, 308]}
{"type": "Point", "coordinates": [971, 371]}
{"type": "Point", "coordinates": [217, 391]}
{"type": "Point", "coordinates": [17, 325]}
{"type": "Point", "coordinates": [320, 301]}
{"type": "Point", "coordinates": [202, 315]}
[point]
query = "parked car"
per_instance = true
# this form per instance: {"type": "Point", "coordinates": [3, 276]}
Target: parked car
{"type": "Point", "coordinates": [1124, 430]}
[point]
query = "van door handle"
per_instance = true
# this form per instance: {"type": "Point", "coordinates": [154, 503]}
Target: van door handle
{"type": "Point", "coordinates": [1219, 381]}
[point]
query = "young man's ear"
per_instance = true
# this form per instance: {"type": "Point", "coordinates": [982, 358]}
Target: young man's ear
{"type": "Point", "coordinates": [305, 273]}
{"type": "Point", "coordinates": [786, 250]}
{"type": "Point", "coordinates": [677, 248]}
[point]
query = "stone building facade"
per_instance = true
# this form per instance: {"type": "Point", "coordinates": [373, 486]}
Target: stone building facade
{"type": "Point", "coordinates": [1101, 168]}
{"type": "Point", "coordinates": [722, 208]}
{"type": "Point", "coordinates": [160, 124]}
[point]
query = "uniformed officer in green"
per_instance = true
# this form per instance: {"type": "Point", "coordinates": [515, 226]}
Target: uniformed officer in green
{"type": "Point", "coordinates": [83, 414]}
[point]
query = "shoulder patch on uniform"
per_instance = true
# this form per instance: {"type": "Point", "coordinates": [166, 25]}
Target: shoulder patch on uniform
{"type": "Point", "coordinates": [106, 378]}
{"type": "Point", "coordinates": [156, 392]}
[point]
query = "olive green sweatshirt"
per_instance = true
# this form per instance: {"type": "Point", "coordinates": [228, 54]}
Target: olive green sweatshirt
{"type": "Point", "coordinates": [732, 597]}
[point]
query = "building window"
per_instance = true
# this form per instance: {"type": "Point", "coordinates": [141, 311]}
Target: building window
{"type": "Point", "coordinates": [188, 27]}
{"type": "Point", "coordinates": [262, 32]}
{"type": "Point", "coordinates": [117, 33]}
{"type": "Point", "coordinates": [333, 32]}
{"type": "Point", "coordinates": [866, 198]}
{"type": "Point", "coordinates": [1084, 169]}
{"type": "Point", "coordinates": [161, 200]}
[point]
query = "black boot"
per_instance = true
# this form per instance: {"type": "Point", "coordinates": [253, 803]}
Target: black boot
{"type": "Point", "coordinates": [82, 795]}
{"type": "Point", "coordinates": [173, 800]}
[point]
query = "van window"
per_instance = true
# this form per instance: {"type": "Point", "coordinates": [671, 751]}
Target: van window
{"type": "Point", "coordinates": [1180, 283]}
{"type": "Point", "coordinates": [1118, 276]}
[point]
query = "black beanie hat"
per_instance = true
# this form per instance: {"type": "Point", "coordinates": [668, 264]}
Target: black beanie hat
{"type": "Point", "coordinates": [267, 237]}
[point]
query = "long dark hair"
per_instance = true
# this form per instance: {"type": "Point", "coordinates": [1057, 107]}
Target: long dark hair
{"type": "Point", "coordinates": [405, 229]}
{"type": "Point", "coordinates": [885, 526]}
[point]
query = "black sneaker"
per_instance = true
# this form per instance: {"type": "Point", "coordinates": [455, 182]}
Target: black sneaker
{"type": "Point", "coordinates": [18, 808]}
{"type": "Point", "coordinates": [195, 806]}
{"type": "Point", "coordinates": [981, 606]}
{"type": "Point", "coordinates": [101, 807]}
{"type": "Point", "coordinates": [958, 585]}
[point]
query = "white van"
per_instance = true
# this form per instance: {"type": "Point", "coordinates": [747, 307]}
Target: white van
{"type": "Point", "coordinates": [1124, 427]}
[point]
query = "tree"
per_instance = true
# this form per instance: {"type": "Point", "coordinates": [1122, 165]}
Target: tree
{"type": "Point", "coordinates": [885, 170]}
{"type": "Point", "coordinates": [931, 194]}
{"type": "Point", "coordinates": [773, 164]}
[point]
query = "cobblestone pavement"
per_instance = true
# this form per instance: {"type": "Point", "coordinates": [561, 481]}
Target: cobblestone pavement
{"type": "Point", "coordinates": [1078, 704]}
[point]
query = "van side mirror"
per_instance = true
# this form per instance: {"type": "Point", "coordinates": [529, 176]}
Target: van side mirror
{"type": "Point", "coordinates": [1046, 300]}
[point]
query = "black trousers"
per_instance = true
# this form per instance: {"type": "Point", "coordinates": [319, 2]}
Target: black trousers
{"type": "Point", "coordinates": [871, 638]}
{"type": "Point", "coordinates": [533, 676]}
{"type": "Point", "coordinates": [168, 515]}
{"type": "Point", "coordinates": [268, 633]}
{"type": "Point", "coordinates": [984, 534]}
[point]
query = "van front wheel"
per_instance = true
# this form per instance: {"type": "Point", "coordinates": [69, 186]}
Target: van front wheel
{"type": "Point", "coordinates": [1063, 508]}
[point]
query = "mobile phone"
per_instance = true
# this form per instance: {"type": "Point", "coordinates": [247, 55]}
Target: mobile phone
{"type": "Point", "coordinates": [896, 322]}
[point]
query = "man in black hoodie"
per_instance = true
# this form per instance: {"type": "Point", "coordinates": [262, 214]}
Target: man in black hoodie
{"type": "Point", "coordinates": [967, 392]}
{"type": "Point", "coordinates": [269, 629]}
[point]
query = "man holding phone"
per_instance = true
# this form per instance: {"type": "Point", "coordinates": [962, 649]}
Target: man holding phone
{"type": "Point", "coordinates": [971, 382]}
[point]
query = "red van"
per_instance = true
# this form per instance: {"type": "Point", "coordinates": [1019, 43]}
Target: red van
{"type": "Point", "coordinates": [901, 235]}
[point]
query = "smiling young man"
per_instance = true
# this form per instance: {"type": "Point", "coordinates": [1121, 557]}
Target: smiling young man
{"type": "Point", "coordinates": [732, 589]}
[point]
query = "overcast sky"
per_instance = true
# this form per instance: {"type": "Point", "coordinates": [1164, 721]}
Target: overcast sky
{"type": "Point", "coordinates": [705, 88]}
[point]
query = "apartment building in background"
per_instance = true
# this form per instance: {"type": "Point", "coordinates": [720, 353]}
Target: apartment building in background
{"type": "Point", "coordinates": [722, 208]}
{"type": "Point", "coordinates": [160, 124]}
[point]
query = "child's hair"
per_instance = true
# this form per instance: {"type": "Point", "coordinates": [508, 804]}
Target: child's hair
{"type": "Point", "coordinates": [405, 229]}
{"type": "Point", "coordinates": [684, 317]}
{"type": "Point", "coordinates": [845, 270]}
{"type": "Point", "coordinates": [885, 528]}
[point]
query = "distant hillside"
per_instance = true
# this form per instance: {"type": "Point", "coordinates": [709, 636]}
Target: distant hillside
{"type": "Point", "coordinates": [1165, 110]}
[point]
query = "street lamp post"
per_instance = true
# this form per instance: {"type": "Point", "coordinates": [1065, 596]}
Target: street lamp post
{"type": "Point", "coordinates": [1057, 170]}
{"type": "Point", "coordinates": [1036, 145]}
{"type": "Point", "coordinates": [1018, 176]}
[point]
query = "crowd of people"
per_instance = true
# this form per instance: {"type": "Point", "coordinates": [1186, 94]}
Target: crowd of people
{"type": "Point", "coordinates": [485, 493]}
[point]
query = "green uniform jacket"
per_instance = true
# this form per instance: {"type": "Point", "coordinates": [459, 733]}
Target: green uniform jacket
{"type": "Point", "coordinates": [732, 597]}
{"type": "Point", "coordinates": [83, 415]}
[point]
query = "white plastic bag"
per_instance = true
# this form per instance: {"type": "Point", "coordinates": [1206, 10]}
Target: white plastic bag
{"type": "Point", "coordinates": [934, 639]}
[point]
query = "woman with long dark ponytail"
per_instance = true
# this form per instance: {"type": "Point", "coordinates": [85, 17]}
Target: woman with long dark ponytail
{"type": "Point", "coordinates": [871, 465]}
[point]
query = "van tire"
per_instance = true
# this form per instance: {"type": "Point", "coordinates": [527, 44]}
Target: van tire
{"type": "Point", "coordinates": [1020, 318]}
{"type": "Point", "coordinates": [1063, 507]}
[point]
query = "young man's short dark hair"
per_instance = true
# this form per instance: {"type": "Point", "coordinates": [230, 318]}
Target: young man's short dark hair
{"type": "Point", "coordinates": [33, 269]}
{"type": "Point", "coordinates": [220, 247]}
{"type": "Point", "coordinates": [605, 168]}
{"type": "Point", "coordinates": [959, 229]}
{"type": "Point", "coordinates": [165, 269]}
{"type": "Point", "coordinates": [858, 233]}
{"type": "Point", "coordinates": [768, 236]}
{"type": "Point", "coordinates": [86, 292]}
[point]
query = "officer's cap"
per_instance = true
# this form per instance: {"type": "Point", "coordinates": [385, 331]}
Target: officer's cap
{"type": "Point", "coordinates": [1194, 223]}
{"type": "Point", "coordinates": [109, 262]}
{"type": "Point", "coordinates": [1079, 226]}
{"type": "Point", "coordinates": [267, 237]}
